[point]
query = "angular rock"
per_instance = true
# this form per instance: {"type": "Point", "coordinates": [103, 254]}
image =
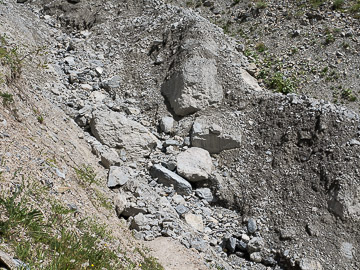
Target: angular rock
{"type": "Point", "coordinates": [194, 164]}
{"type": "Point", "coordinates": [7, 261]}
{"type": "Point", "coordinates": [198, 244]}
{"type": "Point", "coordinates": [309, 264]}
{"type": "Point", "coordinates": [138, 222]}
{"type": "Point", "coordinates": [195, 221]}
{"type": "Point", "coordinates": [255, 244]}
{"type": "Point", "coordinates": [181, 209]}
{"type": "Point", "coordinates": [194, 86]}
{"type": "Point", "coordinates": [230, 244]}
{"type": "Point", "coordinates": [347, 250]}
{"type": "Point", "coordinates": [167, 124]}
{"type": "Point", "coordinates": [112, 83]}
{"type": "Point", "coordinates": [256, 257]}
{"type": "Point", "coordinates": [241, 245]}
{"type": "Point", "coordinates": [132, 210]}
{"type": "Point", "coordinates": [344, 201]}
{"type": "Point", "coordinates": [209, 136]}
{"type": "Point", "coordinates": [117, 131]}
{"type": "Point", "coordinates": [205, 193]}
{"type": "Point", "coordinates": [250, 81]}
{"type": "Point", "coordinates": [109, 157]}
{"type": "Point", "coordinates": [168, 178]}
{"type": "Point", "coordinates": [118, 176]}
{"type": "Point", "coordinates": [178, 199]}
{"type": "Point", "coordinates": [120, 203]}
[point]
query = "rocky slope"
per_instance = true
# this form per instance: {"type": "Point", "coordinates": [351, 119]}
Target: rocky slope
{"type": "Point", "coordinates": [160, 102]}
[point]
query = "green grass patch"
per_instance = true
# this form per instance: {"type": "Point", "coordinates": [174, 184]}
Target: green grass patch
{"type": "Point", "coordinates": [86, 175]}
{"type": "Point", "coordinates": [7, 98]}
{"type": "Point", "coordinates": [59, 242]}
{"type": "Point", "coordinates": [279, 83]}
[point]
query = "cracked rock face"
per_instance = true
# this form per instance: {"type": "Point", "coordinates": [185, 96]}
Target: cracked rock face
{"type": "Point", "coordinates": [194, 164]}
{"type": "Point", "coordinates": [208, 135]}
{"type": "Point", "coordinates": [117, 131]}
{"type": "Point", "coordinates": [193, 87]}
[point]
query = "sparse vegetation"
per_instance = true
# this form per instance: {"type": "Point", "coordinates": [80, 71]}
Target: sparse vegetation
{"type": "Point", "coordinates": [338, 4]}
{"type": "Point", "coordinates": [9, 56]}
{"type": "Point", "coordinates": [261, 5]}
{"type": "Point", "coordinates": [7, 98]}
{"type": "Point", "coordinates": [348, 95]}
{"type": "Point", "coordinates": [260, 47]}
{"type": "Point", "coordinates": [329, 39]}
{"type": "Point", "coordinates": [86, 175]}
{"type": "Point", "coordinates": [279, 83]}
{"type": "Point", "coordinates": [59, 242]}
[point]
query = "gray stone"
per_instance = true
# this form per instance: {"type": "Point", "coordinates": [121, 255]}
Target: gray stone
{"type": "Point", "coordinates": [251, 225]}
{"type": "Point", "coordinates": [198, 244]}
{"type": "Point", "coordinates": [205, 193]}
{"type": "Point", "coordinates": [209, 136]}
{"type": "Point", "coordinates": [118, 176]}
{"type": "Point", "coordinates": [69, 60]}
{"type": "Point", "coordinates": [117, 131]}
{"type": "Point", "coordinates": [138, 222]}
{"type": "Point", "coordinates": [167, 124]}
{"type": "Point", "coordinates": [344, 201]}
{"type": "Point", "coordinates": [60, 173]}
{"type": "Point", "coordinates": [132, 210]}
{"type": "Point", "coordinates": [309, 264]}
{"type": "Point", "coordinates": [347, 250]}
{"type": "Point", "coordinates": [181, 209]}
{"type": "Point", "coordinates": [7, 260]}
{"type": "Point", "coordinates": [241, 245]}
{"type": "Point", "coordinates": [269, 261]}
{"type": "Point", "coordinates": [287, 233]}
{"type": "Point", "coordinates": [112, 83]}
{"type": "Point", "coordinates": [255, 244]}
{"type": "Point", "coordinates": [193, 87]}
{"type": "Point", "coordinates": [120, 203]}
{"type": "Point", "coordinates": [195, 221]}
{"type": "Point", "coordinates": [194, 164]}
{"type": "Point", "coordinates": [168, 178]}
{"type": "Point", "coordinates": [171, 142]}
{"type": "Point", "coordinates": [109, 157]}
{"type": "Point", "coordinates": [230, 244]}
{"type": "Point", "coordinates": [178, 199]}
{"type": "Point", "coordinates": [256, 257]}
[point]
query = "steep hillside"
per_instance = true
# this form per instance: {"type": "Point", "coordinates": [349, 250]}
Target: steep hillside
{"type": "Point", "coordinates": [135, 130]}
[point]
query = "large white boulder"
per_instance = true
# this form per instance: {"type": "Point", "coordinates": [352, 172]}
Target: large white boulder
{"type": "Point", "coordinates": [194, 164]}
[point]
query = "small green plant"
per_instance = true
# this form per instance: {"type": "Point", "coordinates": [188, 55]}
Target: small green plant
{"type": "Point", "coordinates": [19, 215]}
{"type": "Point", "coordinates": [324, 71]}
{"type": "Point", "coordinates": [104, 202]}
{"type": "Point", "coordinates": [86, 175]}
{"type": "Point", "coordinates": [149, 263]}
{"type": "Point", "coordinates": [40, 119]}
{"type": "Point", "coordinates": [329, 39]}
{"type": "Point", "coordinates": [7, 98]}
{"type": "Point", "coordinates": [348, 95]}
{"type": "Point", "coordinates": [345, 45]}
{"type": "Point", "coordinates": [355, 8]}
{"type": "Point", "coordinates": [317, 3]}
{"type": "Point", "coordinates": [189, 3]}
{"type": "Point", "coordinates": [261, 5]}
{"type": "Point", "coordinates": [338, 4]}
{"type": "Point", "coordinates": [226, 27]}
{"type": "Point", "coordinates": [9, 56]}
{"type": "Point", "coordinates": [279, 83]}
{"type": "Point", "coordinates": [260, 47]}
